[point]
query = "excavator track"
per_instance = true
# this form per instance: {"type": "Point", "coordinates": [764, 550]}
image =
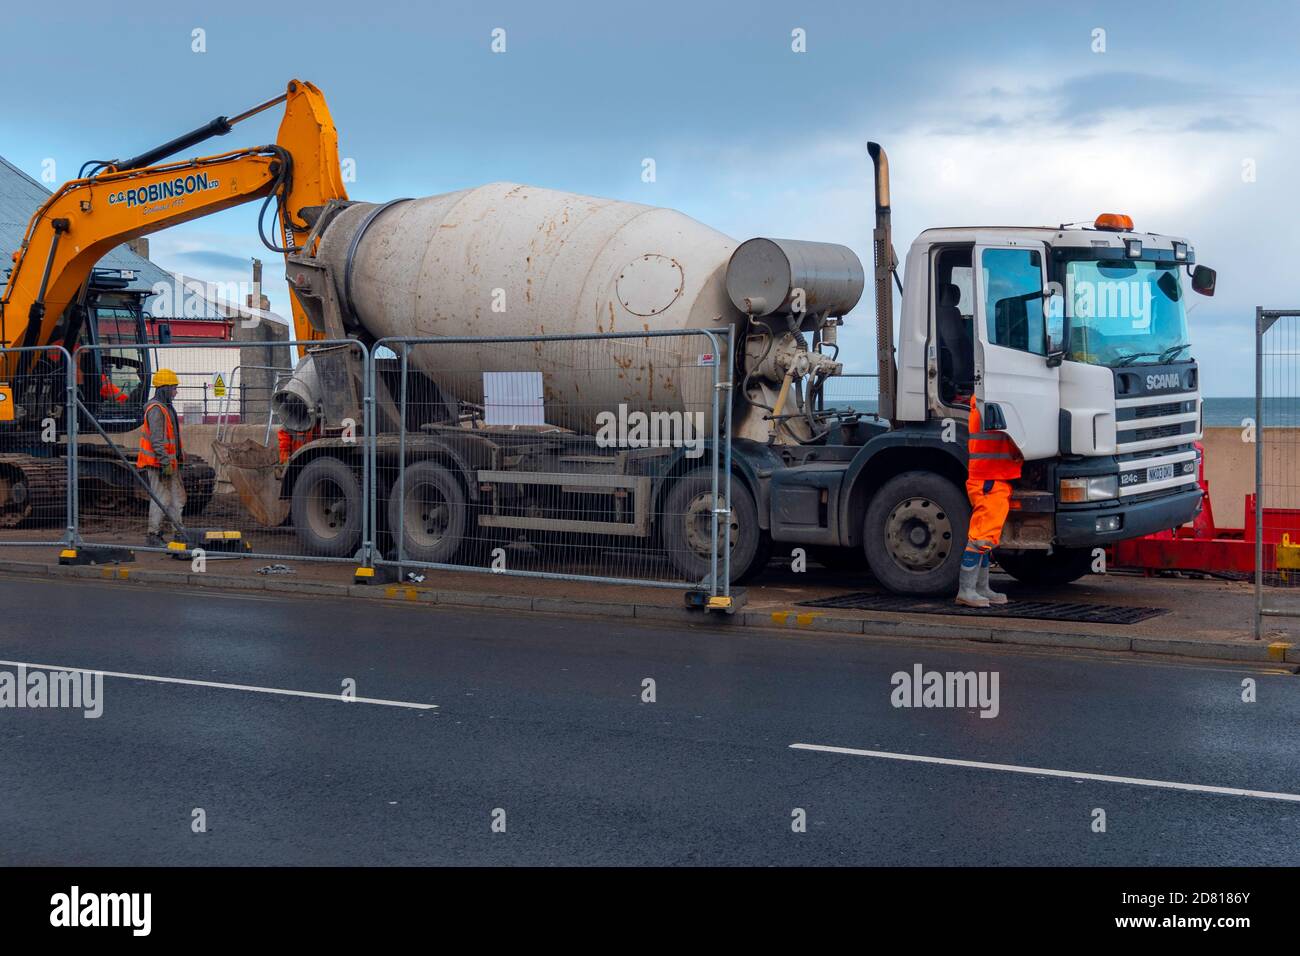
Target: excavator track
{"type": "Point", "coordinates": [32, 490]}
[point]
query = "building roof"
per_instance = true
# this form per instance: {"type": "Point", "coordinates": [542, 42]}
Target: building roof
{"type": "Point", "coordinates": [21, 195]}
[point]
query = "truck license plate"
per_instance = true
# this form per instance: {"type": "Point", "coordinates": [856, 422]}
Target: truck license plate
{"type": "Point", "coordinates": [1160, 472]}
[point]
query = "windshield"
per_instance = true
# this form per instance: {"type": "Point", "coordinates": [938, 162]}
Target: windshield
{"type": "Point", "coordinates": [1125, 312]}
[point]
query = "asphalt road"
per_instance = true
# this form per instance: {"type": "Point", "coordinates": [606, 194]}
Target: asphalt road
{"type": "Point", "coordinates": [543, 718]}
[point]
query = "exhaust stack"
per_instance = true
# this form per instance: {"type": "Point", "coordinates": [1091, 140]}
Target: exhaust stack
{"type": "Point", "coordinates": [883, 249]}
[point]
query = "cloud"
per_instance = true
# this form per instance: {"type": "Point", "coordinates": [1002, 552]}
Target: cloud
{"type": "Point", "coordinates": [1090, 99]}
{"type": "Point", "coordinates": [1173, 153]}
{"type": "Point", "coordinates": [1225, 124]}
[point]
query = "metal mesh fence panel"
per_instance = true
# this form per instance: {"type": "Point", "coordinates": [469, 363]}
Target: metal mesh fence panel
{"type": "Point", "coordinates": [561, 456]}
{"type": "Point", "coordinates": [1275, 527]}
{"type": "Point", "coordinates": [36, 478]}
{"type": "Point", "coordinates": [274, 463]}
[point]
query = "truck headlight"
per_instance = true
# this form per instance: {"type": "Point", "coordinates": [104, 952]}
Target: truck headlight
{"type": "Point", "coordinates": [1075, 490]}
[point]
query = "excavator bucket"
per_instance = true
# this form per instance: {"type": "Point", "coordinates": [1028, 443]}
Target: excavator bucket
{"type": "Point", "coordinates": [252, 469]}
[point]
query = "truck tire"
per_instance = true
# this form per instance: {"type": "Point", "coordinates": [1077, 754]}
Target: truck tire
{"type": "Point", "coordinates": [1062, 566]}
{"type": "Point", "coordinates": [686, 529]}
{"type": "Point", "coordinates": [326, 508]}
{"type": "Point", "coordinates": [433, 527]}
{"type": "Point", "coordinates": [914, 533]}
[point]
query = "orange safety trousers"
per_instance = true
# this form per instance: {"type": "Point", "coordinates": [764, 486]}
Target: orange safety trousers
{"type": "Point", "coordinates": [990, 500]}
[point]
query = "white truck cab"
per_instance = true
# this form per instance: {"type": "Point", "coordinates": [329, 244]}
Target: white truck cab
{"type": "Point", "coordinates": [1075, 342]}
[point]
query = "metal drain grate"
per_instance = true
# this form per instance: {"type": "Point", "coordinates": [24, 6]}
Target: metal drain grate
{"type": "Point", "coordinates": [1038, 610]}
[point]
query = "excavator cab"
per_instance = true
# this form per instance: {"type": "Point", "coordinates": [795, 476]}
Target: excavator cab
{"type": "Point", "coordinates": [113, 378]}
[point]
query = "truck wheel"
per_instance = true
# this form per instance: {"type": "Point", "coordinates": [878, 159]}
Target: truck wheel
{"type": "Point", "coordinates": [914, 533]}
{"type": "Point", "coordinates": [1062, 566]}
{"type": "Point", "coordinates": [326, 508]}
{"type": "Point", "coordinates": [433, 526]}
{"type": "Point", "coordinates": [687, 528]}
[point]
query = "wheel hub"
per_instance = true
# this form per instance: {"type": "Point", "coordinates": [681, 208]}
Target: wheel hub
{"type": "Point", "coordinates": [331, 508]}
{"type": "Point", "coordinates": [918, 533]}
{"type": "Point", "coordinates": [699, 524]}
{"type": "Point", "coordinates": [434, 516]}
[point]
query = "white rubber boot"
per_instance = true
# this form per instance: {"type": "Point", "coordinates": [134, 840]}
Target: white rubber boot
{"type": "Point", "coordinates": [967, 593]}
{"type": "Point", "coordinates": [982, 584]}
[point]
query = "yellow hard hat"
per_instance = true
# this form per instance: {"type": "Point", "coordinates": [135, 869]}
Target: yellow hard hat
{"type": "Point", "coordinates": [165, 376]}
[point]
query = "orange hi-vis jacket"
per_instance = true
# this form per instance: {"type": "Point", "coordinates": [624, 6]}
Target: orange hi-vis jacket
{"type": "Point", "coordinates": [147, 457]}
{"type": "Point", "coordinates": [291, 441]}
{"type": "Point", "coordinates": [108, 390]}
{"type": "Point", "coordinates": [993, 455]}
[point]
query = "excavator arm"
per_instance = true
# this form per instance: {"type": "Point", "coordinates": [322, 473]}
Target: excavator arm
{"type": "Point", "coordinates": [87, 217]}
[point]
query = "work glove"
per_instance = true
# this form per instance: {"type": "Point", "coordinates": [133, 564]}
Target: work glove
{"type": "Point", "coordinates": [169, 469]}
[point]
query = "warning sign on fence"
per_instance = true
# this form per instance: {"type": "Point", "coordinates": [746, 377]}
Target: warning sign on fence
{"type": "Point", "coordinates": [218, 385]}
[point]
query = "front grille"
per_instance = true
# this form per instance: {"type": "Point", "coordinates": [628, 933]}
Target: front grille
{"type": "Point", "coordinates": [1159, 431]}
{"type": "Point", "coordinates": [1157, 453]}
{"type": "Point", "coordinates": [1157, 411]}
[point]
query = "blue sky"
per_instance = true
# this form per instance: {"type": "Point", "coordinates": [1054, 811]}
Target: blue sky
{"type": "Point", "coordinates": [993, 113]}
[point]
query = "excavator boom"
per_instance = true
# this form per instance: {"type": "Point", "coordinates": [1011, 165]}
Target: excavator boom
{"type": "Point", "coordinates": [87, 217]}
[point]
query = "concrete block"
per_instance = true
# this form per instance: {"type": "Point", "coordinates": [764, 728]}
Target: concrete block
{"type": "Point", "coordinates": [24, 567]}
{"type": "Point", "coordinates": [779, 617]}
{"type": "Point", "coordinates": [227, 582]}
{"type": "Point", "coordinates": [1215, 650]}
{"type": "Point", "coordinates": [513, 602]}
{"type": "Point", "coordinates": [939, 630]}
{"type": "Point", "coordinates": [1096, 642]}
{"type": "Point", "coordinates": [838, 625]}
{"type": "Point", "coordinates": [307, 587]}
{"type": "Point", "coordinates": [133, 575]}
{"type": "Point", "coordinates": [551, 605]}
{"type": "Point", "coordinates": [399, 592]}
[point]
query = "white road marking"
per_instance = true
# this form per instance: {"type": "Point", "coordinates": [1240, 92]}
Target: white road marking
{"type": "Point", "coordinates": [220, 686]}
{"type": "Point", "coordinates": [1039, 771]}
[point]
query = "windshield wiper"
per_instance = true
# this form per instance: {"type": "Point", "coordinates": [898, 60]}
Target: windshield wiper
{"type": "Point", "coordinates": [1164, 356]}
{"type": "Point", "coordinates": [1130, 359]}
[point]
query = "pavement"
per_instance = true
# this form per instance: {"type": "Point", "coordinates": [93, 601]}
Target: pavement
{"type": "Point", "coordinates": [542, 723]}
{"type": "Point", "coordinates": [1203, 618]}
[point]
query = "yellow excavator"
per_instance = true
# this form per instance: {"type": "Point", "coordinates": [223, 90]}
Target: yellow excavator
{"type": "Point", "coordinates": [44, 304]}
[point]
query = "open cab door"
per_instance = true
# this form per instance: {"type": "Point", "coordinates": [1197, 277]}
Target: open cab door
{"type": "Point", "coordinates": [1016, 384]}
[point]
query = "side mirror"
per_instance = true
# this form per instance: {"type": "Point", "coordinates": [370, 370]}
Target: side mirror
{"type": "Point", "coordinates": [1054, 315]}
{"type": "Point", "coordinates": [1203, 278]}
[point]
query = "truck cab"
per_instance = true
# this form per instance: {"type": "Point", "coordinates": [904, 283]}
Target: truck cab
{"type": "Point", "coordinates": [1076, 340]}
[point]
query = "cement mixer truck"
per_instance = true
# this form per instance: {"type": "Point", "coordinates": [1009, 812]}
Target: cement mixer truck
{"type": "Point", "coordinates": [1097, 392]}
{"type": "Point", "coordinates": [1074, 340]}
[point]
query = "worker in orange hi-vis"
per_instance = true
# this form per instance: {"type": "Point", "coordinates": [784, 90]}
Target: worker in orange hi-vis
{"type": "Point", "coordinates": [110, 391]}
{"type": "Point", "coordinates": [994, 463]}
{"type": "Point", "coordinates": [162, 456]}
{"type": "Point", "coordinates": [290, 441]}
